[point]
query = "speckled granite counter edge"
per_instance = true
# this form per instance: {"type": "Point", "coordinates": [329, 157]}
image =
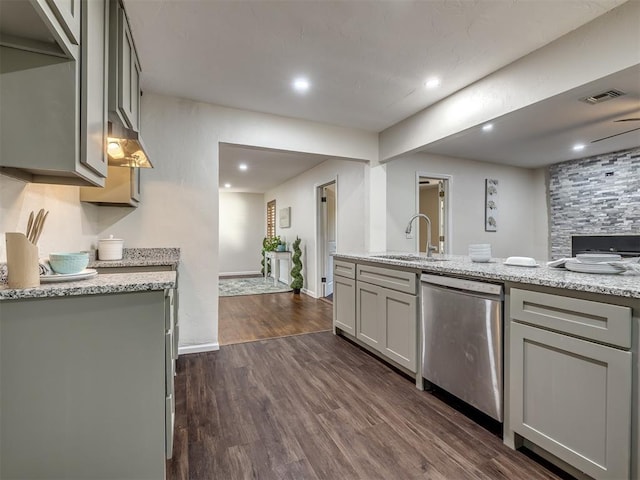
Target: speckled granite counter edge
{"type": "Point", "coordinates": [98, 285]}
{"type": "Point", "coordinates": [139, 257]}
{"type": "Point", "coordinates": [622, 285]}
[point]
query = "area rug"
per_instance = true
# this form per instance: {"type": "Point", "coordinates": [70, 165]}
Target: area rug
{"type": "Point", "coordinates": [231, 287]}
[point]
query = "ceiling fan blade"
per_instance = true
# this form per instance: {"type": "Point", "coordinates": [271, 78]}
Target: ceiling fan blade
{"type": "Point", "coordinates": [636, 119]}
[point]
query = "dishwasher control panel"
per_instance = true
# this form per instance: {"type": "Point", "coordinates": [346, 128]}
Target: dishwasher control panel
{"type": "Point", "coordinates": [462, 284]}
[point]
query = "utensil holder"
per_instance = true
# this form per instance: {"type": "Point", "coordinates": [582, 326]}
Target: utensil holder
{"type": "Point", "coordinates": [23, 270]}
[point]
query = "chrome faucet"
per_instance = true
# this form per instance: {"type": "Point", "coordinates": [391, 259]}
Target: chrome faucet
{"type": "Point", "coordinates": [430, 248]}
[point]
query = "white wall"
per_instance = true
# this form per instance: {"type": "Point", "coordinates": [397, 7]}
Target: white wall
{"type": "Point", "coordinates": [604, 46]}
{"type": "Point", "coordinates": [180, 198]}
{"type": "Point", "coordinates": [300, 194]}
{"type": "Point", "coordinates": [242, 228]}
{"type": "Point", "coordinates": [70, 225]}
{"type": "Point", "coordinates": [520, 205]}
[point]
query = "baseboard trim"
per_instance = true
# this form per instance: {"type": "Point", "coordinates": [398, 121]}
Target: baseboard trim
{"type": "Point", "coordinates": [309, 292]}
{"type": "Point", "coordinates": [235, 274]}
{"type": "Point", "coordinates": [200, 348]}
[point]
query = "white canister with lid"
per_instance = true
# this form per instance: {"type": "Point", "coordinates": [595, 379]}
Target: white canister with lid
{"type": "Point", "coordinates": [110, 248]}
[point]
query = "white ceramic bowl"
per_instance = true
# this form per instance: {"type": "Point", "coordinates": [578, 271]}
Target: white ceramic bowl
{"type": "Point", "coordinates": [480, 252]}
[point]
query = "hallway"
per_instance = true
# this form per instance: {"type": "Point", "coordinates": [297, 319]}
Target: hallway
{"type": "Point", "coordinates": [257, 317]}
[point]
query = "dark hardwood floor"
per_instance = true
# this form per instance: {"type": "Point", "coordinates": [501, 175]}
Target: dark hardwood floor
{"type": "Point", "coordinates": [317, 407]}
{"type": "Point", "coordinates": [254, 317]}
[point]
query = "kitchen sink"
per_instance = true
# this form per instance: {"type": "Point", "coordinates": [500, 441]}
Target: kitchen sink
{"type": "Point", "coordinates": [410, 258]}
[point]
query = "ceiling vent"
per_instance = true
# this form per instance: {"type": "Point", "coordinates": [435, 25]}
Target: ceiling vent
{"type": "Point", "coordinates": [602, 97]}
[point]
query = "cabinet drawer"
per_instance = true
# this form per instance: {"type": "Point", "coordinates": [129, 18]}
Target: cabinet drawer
{"type": "Point", "coordinates": [386, 277]}
{"type": "Point", "coordinates": [344, 269]}
{"type": "Point", "coordinates": [597, 321]}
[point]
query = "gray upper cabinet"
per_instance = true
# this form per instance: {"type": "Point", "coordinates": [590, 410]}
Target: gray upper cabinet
{"type": "Point", "coordinates": [93, 151]}
{"type": "Point", "coordinates": [124, 67]}
{"type": "Point", "coordinates": [53, 112]}
{"type": "Point", "coordinates": [68, 14]}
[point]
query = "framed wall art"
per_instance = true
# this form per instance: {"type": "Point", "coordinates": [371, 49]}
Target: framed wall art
{"type": "Point", "coordinates": [490, 205]}
{"type": "Point", "coordinates": [285, 217]}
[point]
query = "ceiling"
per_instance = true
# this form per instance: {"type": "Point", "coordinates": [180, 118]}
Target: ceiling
{"type": "Point", "coordinates": [545, 133]}
{"type": "Point", "coordinates": [266, 169]}
{"type": "Point", "coordinates": [367, 62]}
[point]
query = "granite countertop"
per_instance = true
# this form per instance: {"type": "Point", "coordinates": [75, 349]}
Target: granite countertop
{"type": "Point", "coordinates": [140, 257]}
{"type": "Point", "coordinates": [622, 285]}
{"type": "Point", "coordinates": [103, 283]}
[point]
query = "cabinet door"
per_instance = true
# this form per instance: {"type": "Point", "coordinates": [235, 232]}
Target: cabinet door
{"type": "Point", "coordinates": [344, 304]}
{"type": "Point", "coordinates": [128, 74]}
{"type": "Point", "coordinates": [68, 14]}
{"type": "Point", "coordinates": [93, 100]}
{"type": "Point", "coordinates": [572, 398]}
{"type": "Point", "coordinates": [400, 325]}
{"type": "Point", "coordinates": [387, 321]}
{"type": "Point", "coordinates": [368, 324]}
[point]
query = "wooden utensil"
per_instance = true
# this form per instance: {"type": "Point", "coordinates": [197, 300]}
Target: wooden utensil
{"type": "Point", "coordinates": [29, 224]}
{"type": "Point", "coordinates": [40, 227]}
{"type": "Point", "coordinates": [33, 227]}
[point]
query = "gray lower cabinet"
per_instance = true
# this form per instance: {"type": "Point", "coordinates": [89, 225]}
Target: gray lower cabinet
{"type": "Point", "coordinates": [387, 321]}
{"type": "Point", "coordinates": [379, 307]}
{"type": "Point", "coordinates": [86, 386]}
{"type": "Point", "coordinates": [344, 296]}
{"type": "Point", "coordinates": [344, 304]}
{"type": "Point", "coordinates": [568, 395]}
{"type": "Point", "coordinates": [386, 313]}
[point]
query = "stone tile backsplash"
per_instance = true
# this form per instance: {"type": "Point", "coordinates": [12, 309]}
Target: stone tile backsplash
{"type": "Point", "coordinates": [594, 195]}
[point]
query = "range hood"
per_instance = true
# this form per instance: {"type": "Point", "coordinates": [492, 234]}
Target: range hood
{"type": "Point", "coordinates": [125, 148]}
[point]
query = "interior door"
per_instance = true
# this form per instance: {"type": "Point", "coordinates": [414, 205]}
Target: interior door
{"type": "Point", "coordinates": [328, 236]}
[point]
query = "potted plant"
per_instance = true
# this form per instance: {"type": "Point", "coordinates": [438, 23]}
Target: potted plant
{"type": "Point", "coordinates": [269, 244]}
{"type": "Point", "coordinates": [297, 280]}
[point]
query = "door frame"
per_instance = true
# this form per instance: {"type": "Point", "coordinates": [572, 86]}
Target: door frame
{"type": "Point", "coordinates": [448, 192]}
{"type": "Point", "coordinates": [319, 237]}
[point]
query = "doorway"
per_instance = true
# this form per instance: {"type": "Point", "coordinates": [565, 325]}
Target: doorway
{"type": "Point", "coordinates": [326, 237]}
{"type": "Point", "coordinates": [432, 195]}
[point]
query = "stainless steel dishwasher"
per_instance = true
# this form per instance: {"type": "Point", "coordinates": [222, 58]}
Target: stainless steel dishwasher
{"type": "Point", "coordinates": [462, 340]}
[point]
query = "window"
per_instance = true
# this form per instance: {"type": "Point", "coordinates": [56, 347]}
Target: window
{"type": "Point", "coordinates": [271, 219]}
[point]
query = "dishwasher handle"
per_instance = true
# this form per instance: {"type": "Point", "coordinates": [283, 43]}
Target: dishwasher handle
{"type": "Point", "coordinates": [463, 284]}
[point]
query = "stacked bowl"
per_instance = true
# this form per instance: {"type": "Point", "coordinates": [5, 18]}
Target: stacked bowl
{"type": "Point", "coordinates": [480, 252]}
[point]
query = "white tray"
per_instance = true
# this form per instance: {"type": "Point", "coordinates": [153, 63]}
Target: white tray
{"type": "Point", "coordinates": [68, 277]}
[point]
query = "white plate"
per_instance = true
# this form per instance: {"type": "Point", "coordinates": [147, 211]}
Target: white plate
{"type": "Point", "coordinates": [602, 268]}
{"type": "Point", "coordinates": [69, 277]}
{"type": "Point", "coordinates": [520, 264]}
{"type": "Point", "coordinates": [598, 257]}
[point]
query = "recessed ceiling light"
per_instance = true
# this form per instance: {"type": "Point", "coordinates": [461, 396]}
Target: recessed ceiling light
{"type": "Point", "coordinates": [488, 127]}
{"type": "Point", "coordinates": [432, 82]}
{"type": "Point", "coordinates": [301, 85]}
{"type": "Point", "coordinates": [578, 147]}
{"type": "Point", "coordinates": [227, 185]}
{"type": "Point", "coordinates": [243, 166]}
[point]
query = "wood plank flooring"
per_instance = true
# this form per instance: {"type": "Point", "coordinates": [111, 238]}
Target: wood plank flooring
{"type": "Point", "coordinates": [317, 407]}
{"type": "Point", "coordinates": [254, 317]}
